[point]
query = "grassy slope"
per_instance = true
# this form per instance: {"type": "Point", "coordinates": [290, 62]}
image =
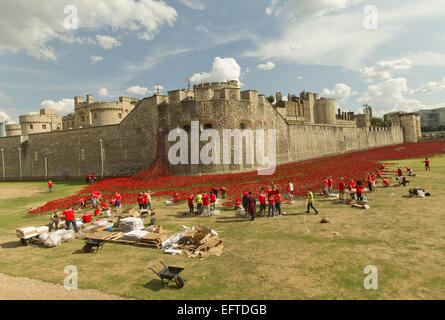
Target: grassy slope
{"type": "Point", "coordinates": [268, 259]}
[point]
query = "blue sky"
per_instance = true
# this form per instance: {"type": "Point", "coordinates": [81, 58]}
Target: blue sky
{"type": "Point", "coordinates": [124, 47]}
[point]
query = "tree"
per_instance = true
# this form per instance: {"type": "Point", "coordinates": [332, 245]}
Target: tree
{"type": "Point", "coordinates": [377, 122]}
{"type": "Point", "coordinates": [271, 99]}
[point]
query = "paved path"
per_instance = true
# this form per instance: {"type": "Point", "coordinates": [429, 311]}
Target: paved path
{"type": "Point", "coordinates": [18, 288]}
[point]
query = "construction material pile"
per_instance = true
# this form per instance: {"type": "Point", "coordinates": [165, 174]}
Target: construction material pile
{"type": "Point", "coordinates": [154, 238]}
{"type": "Point", "coordinates": [202, 242]}
{"type": "Point", "coordinates": [129, 224]}
{"type": "Point", "coordinates": [53, 239]}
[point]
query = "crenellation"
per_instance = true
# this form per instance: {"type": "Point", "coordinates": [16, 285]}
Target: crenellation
{"type": "Point", "coordinates": [307, 126]}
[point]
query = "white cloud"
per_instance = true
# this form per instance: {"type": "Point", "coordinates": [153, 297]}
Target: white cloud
{"type": "Point", "coordinates": [266, 66]}
{"type": "Point", "coordinates": [223, 69]}
{"type": "Point", "coordinates": [390, 95]}
{"type": "Point", "coordinates": [26, 25]}
{"type": "Point", "coordinates": [339, 38]}
{"type": "Point", "coordinates": [137, 90]}
{"type": "Point", "coordinates": [194, 4]}
{"type": "Point", "coordinates": [300, 77]}
{"type": "Point", "coordinates": [107, 42]}
{"type": "Point", "coordinates": [292, 8]}
{"type": "Point", "coordinates": [95, 59]}
{"type": "Point", "coordinates": [341, 93]}
{"type": "Point", "coordinates": [4, 117]}
{"type": "Point", "coordinates": [62, 107]}
{"type": "Point", "coordinates": [427, 58]}
{"type": "Point", "coordinates": [103, 92]}
{"type": "Point", "coordinates": [430, 87]}
{"type": "Point", "coordinates": [385, 69]}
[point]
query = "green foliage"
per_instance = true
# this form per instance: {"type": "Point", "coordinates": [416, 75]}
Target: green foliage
{"type": "Point", "coordinates": [271, 99]}
{"type": "Point", "coordinates": [377, 122]}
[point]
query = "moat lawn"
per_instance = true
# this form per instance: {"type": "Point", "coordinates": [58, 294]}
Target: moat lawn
{"type": "Point", "coordinates": [286, 257]}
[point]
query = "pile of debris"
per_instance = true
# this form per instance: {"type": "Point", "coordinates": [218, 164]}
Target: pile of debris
{"type": "Point", "coordinates": [202, 242]}
{"type": "Point", "coordinates": [129, 224]}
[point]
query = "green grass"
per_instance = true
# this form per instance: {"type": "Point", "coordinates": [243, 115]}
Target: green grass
{"type": "Point", "coordinates": [267, 259]}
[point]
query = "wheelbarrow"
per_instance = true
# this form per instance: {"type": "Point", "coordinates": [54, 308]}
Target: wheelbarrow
{"type": "Point", "coordinates": [90, 244]}
{"type": "Point", "coordinates": [170, 274]}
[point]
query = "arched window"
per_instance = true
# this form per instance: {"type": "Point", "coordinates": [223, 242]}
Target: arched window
{"type": "Point", "coordinates": [207, 126]}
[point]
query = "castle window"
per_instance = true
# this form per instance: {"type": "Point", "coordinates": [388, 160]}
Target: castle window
{"type": "Point", "coordinates": [31, 126]}
{"type": "Point", "coordinates": [83, 119]}
{"type": "Point", "coordinates": [35, 156]}
{"type": "Point", "coordinates": [43, 126]}
{"type": "Point", "coordinates": [119, 115]}
{"type": "Point", "coordinates": [208, 126]}
{"type": "Point", "coordinates": [244, 125]}
{"type": "Point", "coordinates": [95, 116]}
{"type": "Point", "coordinates": [186, 128]}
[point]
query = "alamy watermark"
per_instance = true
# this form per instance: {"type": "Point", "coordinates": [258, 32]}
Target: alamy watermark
{"type": "Point", "coordinates": [371, 21]}
{"type": "Point", "coordinates": [71, 21]}
{"type": "Point", "coordinates": [70, 281]}
{"type": "Point", "coordinates": [210, 153]}
{"type": "Point", "coordinates": [371, 281]}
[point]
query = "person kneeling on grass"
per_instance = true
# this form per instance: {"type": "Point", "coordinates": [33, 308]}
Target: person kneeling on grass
{"type": "Point", "coordinates": [310, 201]}
{"type": "Point", "coordinates": [55, 219]}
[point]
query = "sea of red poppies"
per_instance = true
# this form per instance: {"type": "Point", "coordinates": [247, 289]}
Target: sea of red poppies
{"type": "Point", "coordinates": [303, 174]}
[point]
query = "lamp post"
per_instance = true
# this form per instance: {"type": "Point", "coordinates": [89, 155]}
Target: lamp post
{"type": "Point", "coordinates": [46, 167]}
{"type": "Point", "coordinates": [20, 162]}
{"type": "Point", "coordinates": [102, 156]}
{"type": "Point", "coordinates": [3, 163]}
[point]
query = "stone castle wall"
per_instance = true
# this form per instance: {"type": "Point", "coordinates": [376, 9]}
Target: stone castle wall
{"type": "Point", "coordinates": [131, 145]}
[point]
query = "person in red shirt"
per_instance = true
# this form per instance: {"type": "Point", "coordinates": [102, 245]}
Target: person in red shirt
{"type": "Point", "coordinates": [96, 211]}
{"type": "Point", "coordinates": [268, 190]}
{"type": "Point", "coordinates": [190, 198]}
{"type": "Point", "coordinates": [212, 201]}
{"type": "Point", "coordinates": [386, 183]}
{"type": "Point", "coordinates": [223, 190]}
{"type": "Point", "coordinates": [359, 191]}
{"type": "Point", "coordinates": [326, 187]}
{"type": "Point", "coordinates": [399, 171]}
{"type": "Point", "coordinates": [117, 198]}
{"type": "Point", "coordinates": [70, 219]}
{"type": "Point", "coordinates": [262, 203]}
{"type": "Point", "coordinates": [370, 183]}
{"type": "Point", "coordinates": [341, 188]}
{"type": "Point", "coordinates": [238, 203]}
{"type": "Point", "coordinates": [140, 200]}
{"type": "Point", "coordinates": [50, 186]}
{"type": "Point", "coordinates": [427, 164]}
{"type": "Point", "coordinates": [176, 197]}
{"type": "Point", "coordinates": [373, 178]}
{"type": "Point", "coordinates": [87, 178]}
{"type": "Point", "coordinates": [206, 204]}
{"type": "Point", "coordinates": [112, 201]}
{"type": "Point", "coordinates": [271, 199]}
{"type": "Point", "coordinates": [278, 202]}
{"type": "Point", "coordinates": [351, 187]}
{"type": "Point", "coordinates": [104, 206]}
{"type": "Point", "coordinates": [86, 218]}
{"type": "Point", "coordinates": [83, 202]}
{"type": "Point", "coordinates": [330, 185]}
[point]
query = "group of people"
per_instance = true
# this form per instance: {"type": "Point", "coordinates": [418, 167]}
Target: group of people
{"type": "Point", "coordinates": [205, 203]}
{"type": "Point", "coordinates": [90, 178]}
{"type": "Point", "coordinates": [144, 200]}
